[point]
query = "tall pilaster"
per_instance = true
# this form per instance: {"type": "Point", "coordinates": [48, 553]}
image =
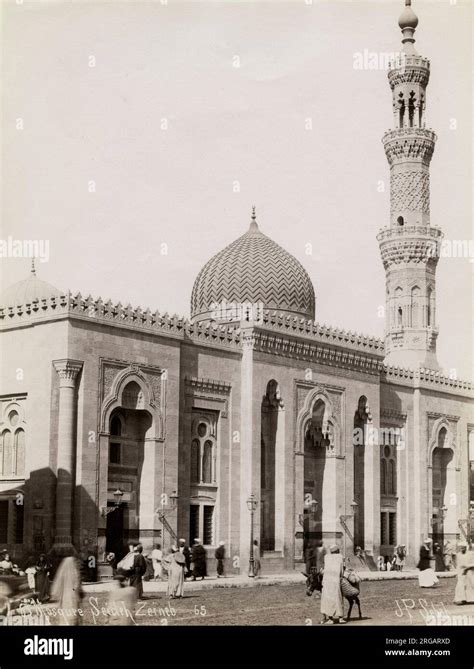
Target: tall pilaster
{"type": "Point", "coordinates": [68, 371]}
{"type": "Point", "coordinates": [249, 455]}
{"type": "Point", "coordinates": [410, 245]}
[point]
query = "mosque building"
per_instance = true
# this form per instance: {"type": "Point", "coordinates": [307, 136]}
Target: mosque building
{"type": "Point", "coordinates": [120, 424]}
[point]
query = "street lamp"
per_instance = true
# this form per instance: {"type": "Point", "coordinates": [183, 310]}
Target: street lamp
{"type": "Point", "coordinates": [313, 509]}
{"type": "Point", "coordinates": [345, 517]}
{"type": "Point", "coordinates": [252, 506]}
{"type": "Point", "coordinates": [118, 494]}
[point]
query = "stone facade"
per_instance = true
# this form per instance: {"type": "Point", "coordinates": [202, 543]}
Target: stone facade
{"type": "Point", "coordinates": [122, 424]}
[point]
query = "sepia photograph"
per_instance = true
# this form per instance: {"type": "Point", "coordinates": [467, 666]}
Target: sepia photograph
{"type": "Point", "coordinates": [236, 327]}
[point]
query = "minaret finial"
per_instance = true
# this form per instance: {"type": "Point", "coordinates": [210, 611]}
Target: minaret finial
{"type": "Point", "coordinates": [33, 269]}
{"type": "Point", "coordinates": [253, 222]}
{"type": "Point", "coordinates": [408, 21]}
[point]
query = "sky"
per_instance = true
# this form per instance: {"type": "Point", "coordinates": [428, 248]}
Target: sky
{"type": "Point", "coordinates": [136, 136]}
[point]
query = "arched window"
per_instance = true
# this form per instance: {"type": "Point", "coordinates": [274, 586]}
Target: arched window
{"type": "Point", "coordinates": [195, 473]}
{"type": "Point", "coordinates": [207, 462]}
{"type": "Point", "coordinates": [203, 451]}
{"type": "Point", "coordinates": [400, 221]}
{"type": "Point", "coordinates": [429, 312]}
{"type": "Point", "coordinates": [19, 453]}
{"type": "Point", "coordinates": [415, 304]}
{"type": "Point", "coordinates": [411, 108]}
{"type": "Point", "coordinates": [400, 316]}
{"type": "Point", "coordinates": [7, 453]}
{"type": "Point", "coordinates": [392, 484]}
{"type": "Point", "coordinates": [116, 426]}
{"type": "Point", "coordinates": [401, 108]}
{"type": "Point", "coordinates": [115, 444]}
{"type": "Point", "coordinates": [383, 476]}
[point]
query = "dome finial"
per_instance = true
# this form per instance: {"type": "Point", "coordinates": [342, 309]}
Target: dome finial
{"type": "Point", "coordinates": [408, 21]}
{"type": "Point", "coordinates": [33, 269]}
{"type": "Point", "coordinates": [253, 222]}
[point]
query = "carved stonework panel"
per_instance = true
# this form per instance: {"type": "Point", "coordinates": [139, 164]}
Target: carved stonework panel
{"type": "Point", "coordinates": [438, 420]}
{"type": "Point", "coordinates": [109, 372]}
{"type": "Point", "coordinates": [146, 392]}
{"type": "Point", "coordinates": [211, 393]}
{"type": "Point", "coordinates": [410, 191]}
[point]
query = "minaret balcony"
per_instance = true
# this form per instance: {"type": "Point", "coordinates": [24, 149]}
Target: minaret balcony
{"type": "Point", "coordinates": [409, 231]}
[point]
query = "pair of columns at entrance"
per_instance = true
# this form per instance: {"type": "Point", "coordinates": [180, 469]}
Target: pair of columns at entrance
{"type": "Point", "coordinates": [68, 371]}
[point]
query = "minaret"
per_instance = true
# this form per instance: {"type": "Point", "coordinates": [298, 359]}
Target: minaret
{"type": "Point", "coordinates": [410, 246]}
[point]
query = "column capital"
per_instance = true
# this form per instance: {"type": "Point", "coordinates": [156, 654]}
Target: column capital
{"type": "Point", "coordinates": [248, 339]}
{"type": "Point", "coordinates": [67, 371]}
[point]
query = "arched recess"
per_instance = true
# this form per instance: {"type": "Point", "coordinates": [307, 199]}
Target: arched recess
{"type": "Point", "coordinates": [318, 441]}
{"type": "Point", "coordinates": [443, 489]}
{"type": "Point", "coordinates": [362, 419]}
{"type": "Point", "coordinates": [131, 425]}
{"type": "Point", "coordinates": [415, 307]}
{"type": "Point", "coordinates": [131, 390]}
{"type": "Point", "coordinates": [272, 433]}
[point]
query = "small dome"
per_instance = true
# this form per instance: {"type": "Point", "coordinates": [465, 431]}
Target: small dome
{"type": "Point", "coordinates": [253, 269]}
{"type": "Point", "coordinates": [24, 292]}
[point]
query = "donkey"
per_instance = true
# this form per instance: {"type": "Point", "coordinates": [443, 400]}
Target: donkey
{"type": "Point", "coordinates": [350, 587]}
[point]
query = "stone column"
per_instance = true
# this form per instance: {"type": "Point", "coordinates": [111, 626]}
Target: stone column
{"type": "Point", "coordinates": [280, 482]}
{"type": "Point", "coordinates": [67, 371]}
{"type": "Point", "coordinates": [298, 502]}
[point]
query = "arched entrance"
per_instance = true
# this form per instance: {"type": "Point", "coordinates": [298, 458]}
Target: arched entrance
{"type": "Point", "coordinates": [361, 420]}
{"type": "Point", "coordinates": [316, 442]}
{"type": "Point", "coordinates": [131, 460]}
{"type": "Point", "coordinates": [128, 429]}
{"type": "Point", "coordinates": [443, 484]}
{"type": "Point", "coordinates": [271, 430]}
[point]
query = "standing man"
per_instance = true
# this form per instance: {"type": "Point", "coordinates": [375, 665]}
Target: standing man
{"type": "Point", "coordinates": [156, 558]}
{"type": "Point", "coordinates": [187, 556]}
{"type": "Point", "coordinates": [138, 571]}
{"type": "Point", "coordinates": [198, 558]}
{"type": "Point", "coordinates": [220, 555]}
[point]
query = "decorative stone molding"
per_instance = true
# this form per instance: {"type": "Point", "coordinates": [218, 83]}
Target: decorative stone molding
{"type": "Point", "coordinates": [67, 371]}
{"type": "Point", "coordinates": [331, 396]}
{"type": "Point", "coordinates": [436, 422]}
{"type": "Point", "coordinates": [115, 375]}
{"type": "Point", "coordinates": [209, 390]}
{"type": "Point", "coordinates": [325, 355]}
{"type": "Point", "coordinates": [402, 144]}
{"type": "Point", "coordinates": [393, 414]}
{"type": "Point", "coordinates": [410, 190]}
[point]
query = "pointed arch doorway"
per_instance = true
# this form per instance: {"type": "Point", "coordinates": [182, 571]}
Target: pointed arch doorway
{"type": "Point", "coordinates": [131, 460]}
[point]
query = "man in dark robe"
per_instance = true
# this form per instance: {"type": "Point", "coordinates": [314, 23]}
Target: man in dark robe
{"type": "Point", "coordinates": [187, 557]}
{"type": "Point", "coordinates": [220, 555]}
{"type": "Point", "coordinates": [198, 558]}
{"type": "Point", "coordinates": [138, 570]}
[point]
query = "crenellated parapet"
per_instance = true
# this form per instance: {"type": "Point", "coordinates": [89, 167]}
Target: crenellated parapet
{"type": "Point", "coordinates": [116, 314]}
{"type": "Point", "coordinates": [321, 333]}
{"type": "Point", "coordinates": [426, 378]}
{"type": "Point", "coordinates": [408, 69]}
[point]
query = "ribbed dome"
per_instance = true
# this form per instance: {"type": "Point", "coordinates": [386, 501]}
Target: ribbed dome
{"type": "Point", "coordinates": [253, 269]}
{"type": "Point", "coordinates": [24, 292]}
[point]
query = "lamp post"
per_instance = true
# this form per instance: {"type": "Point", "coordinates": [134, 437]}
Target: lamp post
{"type": "Point", "coordinates": [118, 495]}
{"type": "Point", "coordinates": [164, 510]}
{"type": "Point", "coordinates": [252, 506]}
{"type": "Point", "coordinates": [345, 517]}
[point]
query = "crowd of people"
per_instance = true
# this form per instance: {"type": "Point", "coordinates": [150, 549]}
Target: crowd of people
{"type": "Point", "coordinates": [329, 575]}
{"type": "Point", "coordinates": [332, 577]}
{"type": "Point", "coordinates": [180, 563]}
